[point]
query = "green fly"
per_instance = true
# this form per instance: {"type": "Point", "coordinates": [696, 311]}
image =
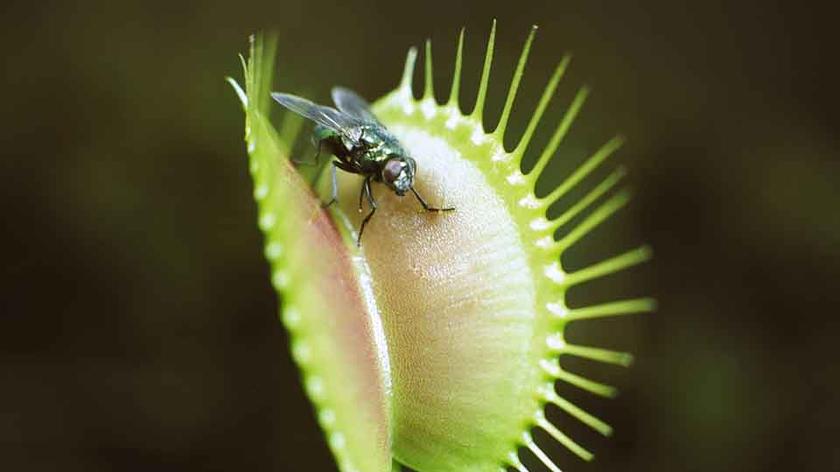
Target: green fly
{"type": "Point", "coordinates": [360, 144]}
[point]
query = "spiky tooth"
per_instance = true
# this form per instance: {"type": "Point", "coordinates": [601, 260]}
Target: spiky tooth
{"type": "Point", "coordinates": [528, 441]}
{"type": "Point", "coordinates": [581, 382]}
{"type": "Point", "coordinates": [514, 86]}
{"type": "Point", "coordinates": [408, 71]}
{"type": "Point", "coordinates": [429, 85]}
{"type": "Point", "coordinates": [456, 75]}
{"type": "Point", "coordinates": [585, 169]}
{"type": "Point", "coordinates": [597, 354]}
{"type": "Point", "coordinates": [514, 461]}
{"type": "Point", "coordinates": [560, 133]}
{"type": "Point", "coordinates": [243, 97]}
{"type": "Point", "coordinates": [602, 188]}
{"type": "Point", "coordinates": [609, 266]}
{"type": "Point", "coordinates": [522, 145]}
{"type": "Point", "coordinates": [548, 394]}
{"type": "Point", "coordinates": [618, 308]}
{"type": "Point", "coordinates": [563, 439]}
{"type": "Point", "coordinates": [604, 211]}
{"type": "Point", "coordinates": [478, 110]}
{"type": "Point", "coordinates": [556, 343]}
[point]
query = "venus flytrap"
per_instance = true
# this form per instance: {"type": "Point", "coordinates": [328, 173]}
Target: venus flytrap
{"type": "Point", "coordinates": [337, 336]}
{"type": "Point", "coordinates": [436, 343]}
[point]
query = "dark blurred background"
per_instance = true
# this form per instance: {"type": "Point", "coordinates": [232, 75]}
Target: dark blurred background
{"type": "Point", "coordinates": [138, 327]}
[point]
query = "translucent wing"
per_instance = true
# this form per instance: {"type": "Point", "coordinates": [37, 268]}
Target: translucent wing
{"type": "Point", "coordinates": [351, 103]}
{"type": "Point", "coordinates": [324, 116]}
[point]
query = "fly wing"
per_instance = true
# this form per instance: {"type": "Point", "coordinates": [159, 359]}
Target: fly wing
{"type": "Point", "coordinates": [351, 103]}
{"type": "Point", "coordinates": [324, 116]}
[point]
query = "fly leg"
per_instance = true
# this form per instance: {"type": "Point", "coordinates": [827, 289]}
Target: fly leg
{"type": "Point", "coordinates": [426, 205]}
{"type": "Point", "coordinates": [309, 164]}
{"type": "Point", "coordinates": [372, 203]}
{"type": "Point", "coordinates": [334, 197]}
{"type": "Point", "coordinates": [362, 193]}
{"type": "Point", "coordinates": [337, 165]}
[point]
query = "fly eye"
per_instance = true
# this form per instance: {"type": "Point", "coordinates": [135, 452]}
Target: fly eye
{"type": "Point", "coordinates": [392, 170]}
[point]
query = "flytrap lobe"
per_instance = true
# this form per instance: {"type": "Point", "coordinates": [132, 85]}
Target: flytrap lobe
{"type": "Point", "coordinates": [436, 344]}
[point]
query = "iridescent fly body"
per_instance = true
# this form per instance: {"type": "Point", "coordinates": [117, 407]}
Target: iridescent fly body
{"type": "Point", "coordinates": [360, 144]}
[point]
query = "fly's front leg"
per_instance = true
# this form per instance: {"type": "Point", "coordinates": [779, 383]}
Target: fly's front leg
{"type": "Point", "coordinates": [426, 205]}
{"type": "Point", "coordinates": [334, 197]}
{"type": "Point", "coordinates": [317, 156]}
{"type": "Point", "coordinates": [366, 190]}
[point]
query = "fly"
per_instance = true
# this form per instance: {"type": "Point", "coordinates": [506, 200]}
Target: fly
{"type": "Point", "coordinates": [361, 145]}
